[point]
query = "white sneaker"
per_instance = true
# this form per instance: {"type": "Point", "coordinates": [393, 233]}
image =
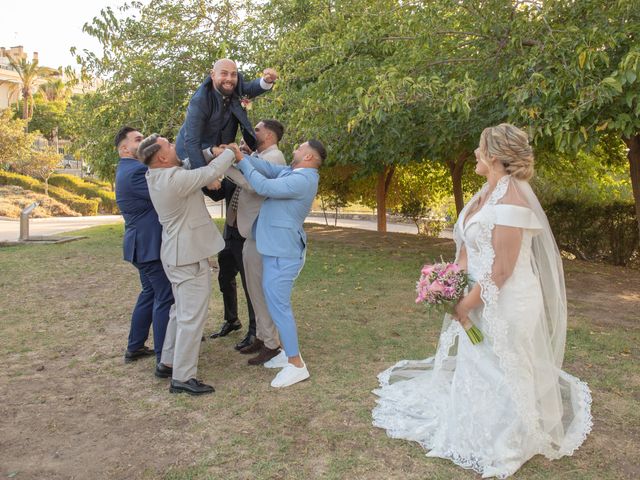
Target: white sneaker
{"type": "Point", "coordinates": [279, 361]}
{"type": "Point", "coordinates": [290, 375]}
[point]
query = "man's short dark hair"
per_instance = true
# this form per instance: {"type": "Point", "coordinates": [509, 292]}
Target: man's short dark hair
{"type": "Point", "coordinates": [122, 134]}
{"type": "Point", "coordinates": [148, 148]}
{"type": "Point", "coordinates": [275, 126]}
{"type": "Point", "coordinates": [317, 146]}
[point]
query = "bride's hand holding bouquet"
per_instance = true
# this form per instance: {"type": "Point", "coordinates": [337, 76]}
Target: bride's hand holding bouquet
{"type": "Point", "coordinates": [441, 286]}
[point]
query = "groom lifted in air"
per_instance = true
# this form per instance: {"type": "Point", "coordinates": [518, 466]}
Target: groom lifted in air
{"type": "Point", "coordinates": [214, 114]}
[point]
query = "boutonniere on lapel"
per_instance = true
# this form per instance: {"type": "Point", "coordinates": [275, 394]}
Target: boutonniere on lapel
{"type": "Point", "coordinates": [245, 103]}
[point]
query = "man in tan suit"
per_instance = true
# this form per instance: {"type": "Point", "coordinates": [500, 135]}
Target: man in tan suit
{"type": "Point", "coordinates": [189, 238]}
{"type": "Point", "coordinates": [267, 344]}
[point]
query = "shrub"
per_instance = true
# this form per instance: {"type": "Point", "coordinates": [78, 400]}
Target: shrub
{"type": "Point", "coordinates": [89, 190]}
{"type": "Point", "coordinates": [606, 232]}
{"type": "Point", "coordinates": [79, 204]}
{"type": "Point", "coordinates": [100, 183]}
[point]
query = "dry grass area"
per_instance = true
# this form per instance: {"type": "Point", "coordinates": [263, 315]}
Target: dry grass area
{"type": "Point", "coordinates": [13, 199]}
{"type": "Point", "coordinates": [71, 409]}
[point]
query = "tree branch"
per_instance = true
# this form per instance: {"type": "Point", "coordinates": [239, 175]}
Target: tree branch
{"type": "Point", "coordinates": [452, 60]}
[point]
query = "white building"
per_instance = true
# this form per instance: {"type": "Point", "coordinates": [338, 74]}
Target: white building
{"type": "Point", "coordinates": [10, 85]}
{"type": "Point", "coordinates": [9, 78]}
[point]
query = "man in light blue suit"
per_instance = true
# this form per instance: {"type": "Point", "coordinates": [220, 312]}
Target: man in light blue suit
{"type": "Point", "coordinates": [281, 240]}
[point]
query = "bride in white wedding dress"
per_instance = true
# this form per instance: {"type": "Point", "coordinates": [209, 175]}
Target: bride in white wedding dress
{"type": "Point", "coordinates": [492, 406]}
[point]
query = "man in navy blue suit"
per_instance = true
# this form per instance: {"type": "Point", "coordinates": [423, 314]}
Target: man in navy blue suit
{"type": "Point", "coordinates": [141, 245]}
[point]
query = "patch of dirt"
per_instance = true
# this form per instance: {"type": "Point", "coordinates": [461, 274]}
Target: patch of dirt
{"type": "Point", "coordinates": [13, 199]}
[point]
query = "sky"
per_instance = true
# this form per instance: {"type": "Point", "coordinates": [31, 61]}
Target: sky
{"type": "Point", "coordinates": [50, 28]}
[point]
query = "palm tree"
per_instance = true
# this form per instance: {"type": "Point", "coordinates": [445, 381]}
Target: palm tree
{"type": "Point", "coordinates": [29, 73]}
{"type": "Point", "coordinates": [55, 89]}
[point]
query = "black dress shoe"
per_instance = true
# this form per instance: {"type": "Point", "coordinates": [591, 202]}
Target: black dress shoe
{"type": "Point", "coordinates": [246, 341]}
{"type": "Point", "coordinates": [227, 328]}
{"type": "Point", "coordinates": [162, 371]}
{"type": "Point", "coordinates": [193, 386]}
{"type": "Point", "coordinates": [137, 354]}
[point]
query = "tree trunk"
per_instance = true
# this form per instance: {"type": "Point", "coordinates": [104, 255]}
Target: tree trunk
{"type": "Point", "coordinates": [382, 187]}
{"type": "Point", "coordinates": [634, 169]}
{"type": "Point", "coordinates": [456, 167]}
{"type": "Point", "coordinates": [25, 107]}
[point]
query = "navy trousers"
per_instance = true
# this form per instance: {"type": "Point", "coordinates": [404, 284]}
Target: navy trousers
{"type": "Point", "coordinates": [152, 307]}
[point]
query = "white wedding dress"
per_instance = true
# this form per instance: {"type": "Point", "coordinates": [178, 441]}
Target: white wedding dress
{"type": "Point", "coordinates": [492, 406]}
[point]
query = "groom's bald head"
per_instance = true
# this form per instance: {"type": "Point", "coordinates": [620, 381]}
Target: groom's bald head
{"type": "Point", "coordinates": [224, 76]}
{"type": "Point", "coordinates": [224, 63]}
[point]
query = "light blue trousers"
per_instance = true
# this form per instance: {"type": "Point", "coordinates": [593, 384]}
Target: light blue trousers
{"type": "Point", "coordinates": [278, 275]}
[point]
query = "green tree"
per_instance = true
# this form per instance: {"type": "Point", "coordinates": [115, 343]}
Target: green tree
{"type": "Point", "coordinates": [15, 144]}
{"type": "Point", "coordinates": [153, 57]}
{"type": "Point", "coordinates": [49, 117]}
{"type": "Point", "coordinates": [40, 164]}
{"type": "Point", "coordinates": [580, 80]}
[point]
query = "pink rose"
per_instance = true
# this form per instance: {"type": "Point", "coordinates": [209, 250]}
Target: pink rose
{"type": "Point", "coordinates": [427, 270]}
{"type": "Point", "coordinates": [436, 287]}
{"type": "Point", "coordinates": [452, 267]}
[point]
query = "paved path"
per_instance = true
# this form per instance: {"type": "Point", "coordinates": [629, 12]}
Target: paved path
{"type": "Point", "coordinates": [10, 228]}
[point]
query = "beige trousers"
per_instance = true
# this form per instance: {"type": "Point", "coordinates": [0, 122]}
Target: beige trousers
{"type": "Point", "coordinates": [191, 286]}
{"type": "Point", "coordinates": [265, 328]}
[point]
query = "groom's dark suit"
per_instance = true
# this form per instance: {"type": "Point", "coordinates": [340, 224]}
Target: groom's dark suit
{"type": "Point", "coordinates": [141, 246]}
{"type": "Point", "coordinates": [212, 121]}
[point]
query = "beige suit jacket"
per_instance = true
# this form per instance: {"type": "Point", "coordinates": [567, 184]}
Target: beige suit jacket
{"type": "Point", "coordinates": [188, 233]}
{"type": "Point", "coordinates": [249, 202]}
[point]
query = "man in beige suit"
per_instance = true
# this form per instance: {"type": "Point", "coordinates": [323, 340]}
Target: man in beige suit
{"type": "Point", "coordinates": [267, 343]}
{"type": "Point", "coordinates": [189, 238]}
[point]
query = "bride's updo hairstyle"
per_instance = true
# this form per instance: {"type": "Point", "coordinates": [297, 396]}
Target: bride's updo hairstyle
{"type": "Point", "coordinates": [510, 146]}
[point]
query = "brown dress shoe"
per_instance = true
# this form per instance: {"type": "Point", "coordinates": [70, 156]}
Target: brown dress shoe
{"type": "Point", "coordinates": [255, 347]}
{"type": "Point", "coordinates": [265, 355]}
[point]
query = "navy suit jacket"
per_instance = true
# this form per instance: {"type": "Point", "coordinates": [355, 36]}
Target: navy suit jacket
{"type": "Point", "coordinates": [206, 124]}
{"type": "Point", "coordinates": [142, 229]}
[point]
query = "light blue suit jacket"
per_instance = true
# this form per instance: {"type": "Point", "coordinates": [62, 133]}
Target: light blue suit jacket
{"type": "Point", "coordinates": [278, 230]}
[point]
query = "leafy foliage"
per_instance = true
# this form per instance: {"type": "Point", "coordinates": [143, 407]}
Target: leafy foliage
{"type": "Point", "coordinates": [15, 144]}
{"type": "Point", "coordinates": [153, 57]}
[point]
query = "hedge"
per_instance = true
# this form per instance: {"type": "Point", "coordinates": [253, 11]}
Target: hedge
{"type": "Point", "coordinates": [100, 183]}
{"type": "Point", "coordinates": [89, 190]}
{"type": "Point", "coordinates": [607, 232]}
{"type": "Point", "coordinates": [75, 202]}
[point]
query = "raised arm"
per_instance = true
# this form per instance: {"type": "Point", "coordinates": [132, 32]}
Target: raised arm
{"type": "Point", "coordinates": [259, 85]}
{"type": "Point", "coordinates": [189, 181]}
{"type": "Point", "coordinates": [267, 169]}
{"type": "Point", "coordinates": [290, 186]}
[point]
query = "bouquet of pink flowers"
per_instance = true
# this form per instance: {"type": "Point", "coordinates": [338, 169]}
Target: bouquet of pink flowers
{"type": "Point", "coordinates": [441, 285]}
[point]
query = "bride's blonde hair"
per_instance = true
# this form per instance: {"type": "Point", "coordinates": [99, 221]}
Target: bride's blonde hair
{"type": "Point", "coordinates": [510, 146]}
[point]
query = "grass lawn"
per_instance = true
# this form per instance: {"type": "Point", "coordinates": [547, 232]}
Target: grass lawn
{"type": "Point", "coordinates": [70, 407]}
